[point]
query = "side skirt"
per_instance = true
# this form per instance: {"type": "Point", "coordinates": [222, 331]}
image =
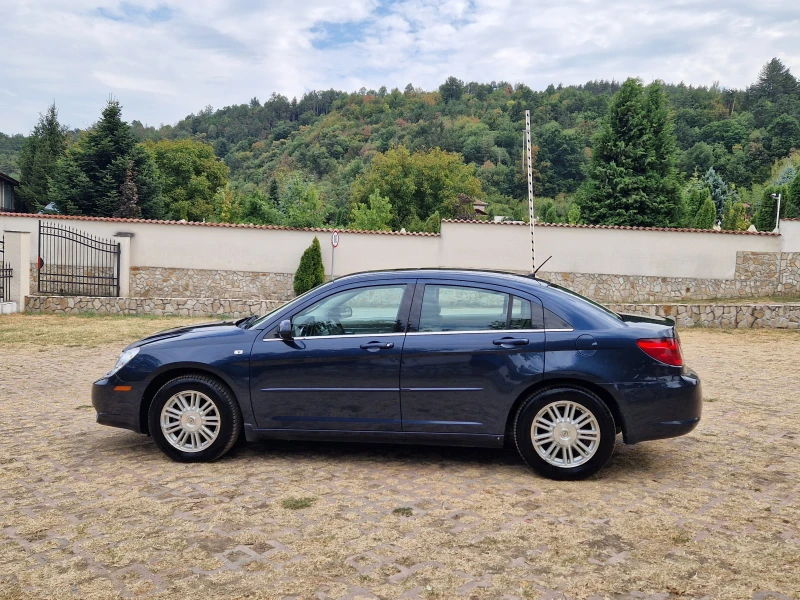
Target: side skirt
{"type": "Point", "coordinates": [382, 437]}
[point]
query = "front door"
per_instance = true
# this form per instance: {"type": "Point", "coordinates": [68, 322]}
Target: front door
{"type": "Point", "coordinates": [470, 351]}
{"type": "Point", "coordinates": [342, 369]}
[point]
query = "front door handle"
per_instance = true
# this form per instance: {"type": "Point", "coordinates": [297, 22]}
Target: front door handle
{"type": "Point", "coordinates": [509, 342]}
{"type": "Point", "coordinates": [374, 346]}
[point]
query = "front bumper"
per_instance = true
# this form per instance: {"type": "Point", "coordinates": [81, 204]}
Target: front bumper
{"type": "Point", "coordinates": [117, 408]}
{"type": "Point", "coordinates": [663, 408]}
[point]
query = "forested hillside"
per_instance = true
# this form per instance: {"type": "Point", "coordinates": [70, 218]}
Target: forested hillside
{"type": "Point", "coordinates": [382, 158]}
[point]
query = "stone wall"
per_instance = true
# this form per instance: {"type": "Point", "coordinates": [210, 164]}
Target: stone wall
{"type": "Point", "coordinates": [186, 307]}
{"type": "Point", "coordinates": [741, 316]}
{"type": "Point", "coordinates": [757, 274]}
{"type": "Point", "coordinates": [162, 282]}
{"type": "Point", "coordinates": [778, 316]}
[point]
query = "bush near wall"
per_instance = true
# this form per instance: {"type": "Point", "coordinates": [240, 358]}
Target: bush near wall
{"type": "Point", "coordinates": [311, 272]}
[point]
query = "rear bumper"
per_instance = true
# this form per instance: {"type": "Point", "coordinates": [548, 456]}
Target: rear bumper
{"type": "Point", "coordinates": [664, 408]}
{"type": "Point", "coordinates": [117, 408]}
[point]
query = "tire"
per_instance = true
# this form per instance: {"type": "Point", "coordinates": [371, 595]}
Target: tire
{"type": "Point", "coordinates": [202, 408]}
{"type": "Point", "coordinates": [576, 444]}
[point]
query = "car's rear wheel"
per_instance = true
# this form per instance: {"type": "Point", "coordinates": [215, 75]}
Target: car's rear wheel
{"type": "Point", "coordinates": [194, 418]}
{"type": "Point", "coordinates": [564, 432]}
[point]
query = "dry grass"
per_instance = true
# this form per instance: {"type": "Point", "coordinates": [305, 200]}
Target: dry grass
{"type": "Point", "coordinates": [93, 512]}
{"type": "Point", "coordinates": [83, 329]}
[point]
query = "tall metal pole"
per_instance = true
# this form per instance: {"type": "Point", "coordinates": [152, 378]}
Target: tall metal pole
{"type": "Point", "coordinates": [778, 216]}
{"type": "Point", "coordinates": [530, 185]}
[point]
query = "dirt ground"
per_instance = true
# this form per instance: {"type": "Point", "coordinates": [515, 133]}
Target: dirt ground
{"type": "Point", "coordinates": [93, 512]}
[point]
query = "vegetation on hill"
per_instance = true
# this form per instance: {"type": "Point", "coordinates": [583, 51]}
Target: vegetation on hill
{"type": "Point", "coordinates": [605, 152]}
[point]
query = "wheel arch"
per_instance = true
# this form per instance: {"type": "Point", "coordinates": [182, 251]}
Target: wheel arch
{"type": "Point", "coordinates": [604, 395]}
{"type": "Point", "coordinates": [171, 373]}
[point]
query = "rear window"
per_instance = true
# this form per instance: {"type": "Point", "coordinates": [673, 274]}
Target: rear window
{"type": "Point", "coordinates": [606, 310]}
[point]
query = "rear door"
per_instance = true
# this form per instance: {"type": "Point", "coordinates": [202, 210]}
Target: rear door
{"type": "Point", "coordinates": [471, 349]}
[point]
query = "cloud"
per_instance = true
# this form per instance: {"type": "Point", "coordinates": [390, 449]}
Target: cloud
{"type": "Point", "coordinates": [164, 59]}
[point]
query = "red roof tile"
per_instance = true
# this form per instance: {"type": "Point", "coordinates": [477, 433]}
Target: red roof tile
{"type": "Point", "coordinates": [628, 227]}
{"type": "Point", "coordinates": [197, 224]}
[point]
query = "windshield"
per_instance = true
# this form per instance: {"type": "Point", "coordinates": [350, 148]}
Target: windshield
{"type": "Point", "coordinates": [585, 299]}
{"type": "Point", "coordinates": [263, 318]}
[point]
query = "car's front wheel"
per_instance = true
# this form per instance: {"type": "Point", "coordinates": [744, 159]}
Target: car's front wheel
{"type": "Point", "coordinates": [194, 418]}
{"type": "Point", "coordinates": [564, 432]}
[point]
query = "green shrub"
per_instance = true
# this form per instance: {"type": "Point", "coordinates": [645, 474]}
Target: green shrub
{"type": "Point", "coordinates": [706, 217]}
{"type": "Point", "coordinates": [310, 273]}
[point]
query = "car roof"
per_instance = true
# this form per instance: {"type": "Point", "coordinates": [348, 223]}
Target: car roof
{"type": "Point", "coordinates": [455, 274]}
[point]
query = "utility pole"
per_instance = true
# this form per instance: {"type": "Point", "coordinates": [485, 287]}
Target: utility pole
{"type": "Point", "coordinates": [530, 185]}
{"type": "Point", "coordinates": [778, 214]}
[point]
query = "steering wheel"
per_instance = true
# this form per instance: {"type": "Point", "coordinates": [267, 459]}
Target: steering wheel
{"type": "Point", "coordinates": [334, 325]}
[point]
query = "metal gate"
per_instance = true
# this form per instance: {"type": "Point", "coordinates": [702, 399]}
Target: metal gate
{"type": "Point", "coordinates": [5, 274]}
{"type": "Point", "coordinates": [74, 263]}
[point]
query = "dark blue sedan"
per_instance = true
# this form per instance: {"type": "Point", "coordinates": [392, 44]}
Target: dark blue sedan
{"type": "Point", "coordinates": [451, 357]}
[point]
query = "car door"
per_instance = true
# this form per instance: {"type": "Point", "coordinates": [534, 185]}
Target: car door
{"type": "Point", "coordinates": [341, 370]}
{"type": "Point", "coordinates": [470, 351]}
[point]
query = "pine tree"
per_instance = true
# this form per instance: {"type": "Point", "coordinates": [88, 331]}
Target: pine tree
{"type": "Point", "coordinates": [311, 272]}
{"type": "Point", "coordinates": [632, 175]}
{"type": "Point", "coordinates": [721, 192]}
{"type": "Point", "coordinates": [774, 80]}
{"type": "Point", "coordinates": [766, 217]}
{"type": "Point", "coordinates": [706, 216]}
{"type": "Point", "coordinates": [128, 197]}
{"type": "Point", "coordinates": [38, 159]}
{"type": "Point", "coordinates": [793, 198]}
{"type": "Point", "coordinates": [89, 177]}
{"type": "Point", "coordinates": [274, 194]}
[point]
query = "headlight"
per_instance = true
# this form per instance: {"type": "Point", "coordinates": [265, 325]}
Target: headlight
{"type": "Point", "coordinates": [123, 360]}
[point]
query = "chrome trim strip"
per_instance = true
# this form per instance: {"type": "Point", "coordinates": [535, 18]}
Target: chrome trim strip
{"type": "Point", "coordinates": [333, 337]}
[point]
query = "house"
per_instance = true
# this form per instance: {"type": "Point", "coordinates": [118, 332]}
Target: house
{"type": "Point", "coordinates": [7, 185]}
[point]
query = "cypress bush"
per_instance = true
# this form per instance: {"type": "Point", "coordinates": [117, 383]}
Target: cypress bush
{"type": "Point", "coordinates": [310, 273]}
{"type": "Point", "coordinates": [706, 216]}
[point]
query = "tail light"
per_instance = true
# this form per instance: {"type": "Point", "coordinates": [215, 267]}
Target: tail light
{"type": "Point", "coordinates": [667, 351]}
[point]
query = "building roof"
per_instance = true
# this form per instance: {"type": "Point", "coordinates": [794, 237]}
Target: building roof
{"type": "Point", "coordinates": [8, 178]}
{"type": "Point", "coordinates": [628, 227]}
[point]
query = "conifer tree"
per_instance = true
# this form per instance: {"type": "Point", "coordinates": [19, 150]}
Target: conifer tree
{"type": "Point", "coordinates": [632, 175]}
{"type": "Point", "coordinates": [706, 216]}
{"type": "Point", "coordinates": [38, 159]}
{"type": "Point", "coordinates": [129, 197]}
{"type": "Point", "coordinates": [311, 272]}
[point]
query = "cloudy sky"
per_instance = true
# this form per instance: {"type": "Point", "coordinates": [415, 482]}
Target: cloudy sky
{"type": "Point", "coordinates": [164, 59]}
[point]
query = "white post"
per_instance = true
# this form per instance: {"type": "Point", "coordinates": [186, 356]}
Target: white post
{"type": "Point", "coordinates": [124, 264]}
{"type": "Point", "coordinates": [530, 185]}
{"type": "Point", "coordinates": [778, 216]}
{"type": "Point", "coordinates": [18, 254]}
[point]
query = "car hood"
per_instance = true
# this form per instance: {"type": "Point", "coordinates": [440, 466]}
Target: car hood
{"type": "Point", "coordinates": [202, 330]}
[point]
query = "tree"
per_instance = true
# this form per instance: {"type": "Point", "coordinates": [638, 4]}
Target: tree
{"type": "Point", "coordinates": [560, 159]}
{"type": "Point", "coordinates": [129, 197]}
{"type": "Point", "coordinates": [311, 272]}
{"type": "Point", "coordinates": [377, 216]}
{"type": "Point", "coordinates": [38, 159]}
{"type": "Point", "coordinates": [766, 217]}
{"type": "Point", "coordinates": [190, 176]}
{"type": "Point", "coordinates": [721, 192]}
{"type": "Point", "coordinates": [88, 178]}
{"type": "Point", "coordinates": [417, 184]}
{"type": "Point", "coordinates": [735, 217]}
{"type": "Point", "coordinates": [574, 214]}
{"type": "Point", "coordinates": [783, 135]}
{"type": "Point", "coordinates": [706, 216]}
{"type": "Point", "coordinates": [451, 89]}
{"type": "Point", "coordinates": [632, 176]}
{"type": "Point", "coordinates": [302, 204]}
{"type": "Point", "coordinates": [793, 199]}
{"type": "Point", "coordinates": [774, 80]}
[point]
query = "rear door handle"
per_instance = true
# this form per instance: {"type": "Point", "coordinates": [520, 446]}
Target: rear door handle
{"type": "Point", "coordinates": [377, 346]}
{"type": "Point", "coordinates": [508, 342]}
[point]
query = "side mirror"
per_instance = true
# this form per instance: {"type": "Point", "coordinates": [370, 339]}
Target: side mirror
{"type": "Point", "coordinates": [285, 330]}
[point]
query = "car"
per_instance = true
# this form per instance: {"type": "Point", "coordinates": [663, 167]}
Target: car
{"type": "Point", "coordinates": [420, 356]}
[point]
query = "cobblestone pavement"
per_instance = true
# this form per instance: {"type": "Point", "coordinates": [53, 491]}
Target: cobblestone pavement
{"type": "Point", "coordinates": [93, 512]}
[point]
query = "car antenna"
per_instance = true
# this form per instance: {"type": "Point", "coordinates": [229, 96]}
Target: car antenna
{"type": "Point", "coordinates": [540, 266]}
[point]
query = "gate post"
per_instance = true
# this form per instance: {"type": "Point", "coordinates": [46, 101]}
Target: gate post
{"type": "Point", "coordinates": [18, 254]}
{"type": "Point", "coordinates": [124, 240]}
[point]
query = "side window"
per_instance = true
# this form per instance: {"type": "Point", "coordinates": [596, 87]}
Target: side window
{"type": "Point", "coordinates": [553, 321]}
{"type": "Point", "coordinates": [369, 310]}
{"type": "Point", "coordinates": [454, 308]}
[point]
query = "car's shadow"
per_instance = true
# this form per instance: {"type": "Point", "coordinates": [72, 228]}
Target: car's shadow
{"type": "Point", "coordinates": [625, 461]}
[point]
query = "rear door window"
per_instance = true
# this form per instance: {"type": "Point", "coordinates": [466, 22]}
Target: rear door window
{"type": "Point", "coordinates": [447, 308]}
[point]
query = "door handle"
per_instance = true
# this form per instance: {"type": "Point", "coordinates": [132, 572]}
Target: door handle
{"type": "Point", "coordinates": [508, 342]}
{"type": "Point", "coordinates": [377, 346]}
